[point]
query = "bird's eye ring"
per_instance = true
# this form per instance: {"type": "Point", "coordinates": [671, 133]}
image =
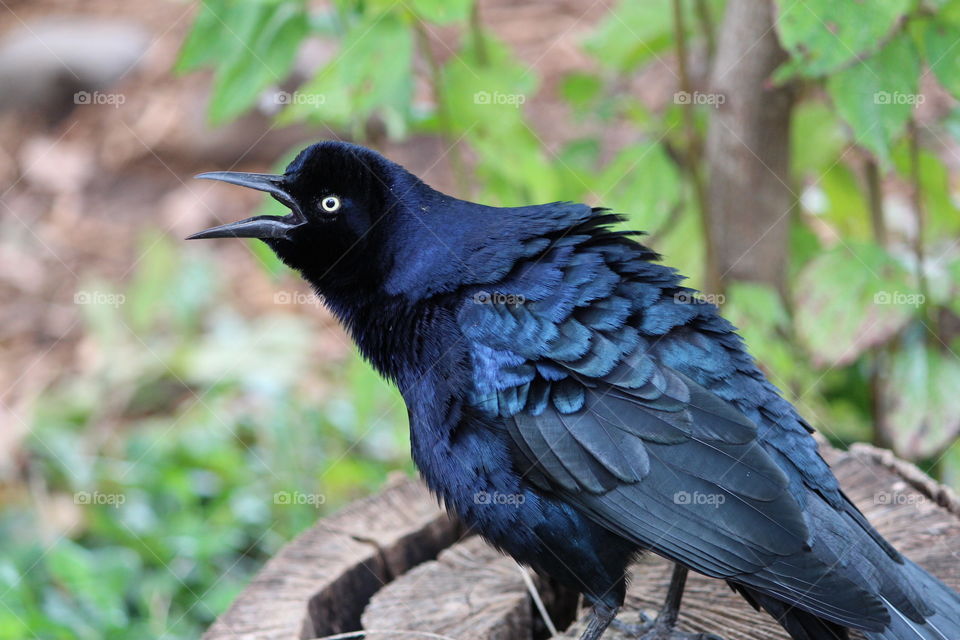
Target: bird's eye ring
{"type": "Point", "coordinates": [330, 204]}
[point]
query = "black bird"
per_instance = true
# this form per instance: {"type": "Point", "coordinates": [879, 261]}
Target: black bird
{"type": "Point", "coordinates": [575, 404]}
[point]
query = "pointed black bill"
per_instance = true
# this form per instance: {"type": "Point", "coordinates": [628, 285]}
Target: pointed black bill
{"type": "Point", "coordinates": [258, 226]}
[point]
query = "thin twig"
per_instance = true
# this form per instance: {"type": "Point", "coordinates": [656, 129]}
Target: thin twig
{"type": "Point", "coordinates": [916, 195]}
{"type": "Point", "coordinates": [538, 601]}
{"type": "Point", "coordinates": [871, 174]}
{"type": "Point", "coordinates": [706, 27]}
{"type": "Point", "coordinates": [693, 153]}
{"type": "Point", "coordinates": [476, 32]}
{"type": "Point", "coordinates": [443, 110]}
{"type": "Point", "coordinates": [399, 632]}
{"type": "Point", "coordinates": [882, 436]}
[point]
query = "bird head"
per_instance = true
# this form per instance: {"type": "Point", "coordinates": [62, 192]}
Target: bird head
{"type": "Point", "coordinates": [341, 199]}
{"type": "Point", "coordinates": [362, 226]}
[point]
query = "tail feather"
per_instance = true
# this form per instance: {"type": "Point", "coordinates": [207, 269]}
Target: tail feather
{"type": "Point", "coordinates": [800, 624]}
{"type": "Point", "coordinates": [890, 597]}
{"type": "Point", "coordinates": [942, 624]}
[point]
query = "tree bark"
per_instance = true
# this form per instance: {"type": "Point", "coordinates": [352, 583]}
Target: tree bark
{"type": "Point", "coordinates": [748, 150]}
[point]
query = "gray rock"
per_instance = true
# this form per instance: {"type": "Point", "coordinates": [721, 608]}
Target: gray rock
{"type": "Point", "coordinates": [53, 64]}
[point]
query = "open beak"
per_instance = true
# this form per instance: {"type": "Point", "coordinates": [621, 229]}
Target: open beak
{"type": "Point", "coordinates": [257, 226]}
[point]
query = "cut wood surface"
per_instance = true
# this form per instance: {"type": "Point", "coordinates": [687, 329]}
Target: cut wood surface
{"type": "Point", "coordinates": [470, 592]}
{"type": "Point", "coordinates": [376, 558]}
{"type": "Point", "coordinates": [319, 583]}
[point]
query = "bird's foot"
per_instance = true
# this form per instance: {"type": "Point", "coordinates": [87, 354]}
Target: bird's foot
{"type": "Point", "coordinates": [657, 629]}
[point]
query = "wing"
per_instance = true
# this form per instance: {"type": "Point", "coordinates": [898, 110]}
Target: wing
{"type": "Point", "coordinates": [562, 357]}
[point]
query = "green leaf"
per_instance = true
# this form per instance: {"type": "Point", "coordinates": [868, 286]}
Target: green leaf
{"type": "Point", "coordinates": [442, 11]}
{"type": "Point", "coordinates": [580, 89]}
{"type": "Point", "coordinates": [851, 298]}
{"type": "Point", "coordinates": [632, 33]}
{"type": "Point", "coordinates": [98, 579]}
{"type": "Point", "coordinates": [276, 48]}
{"type": "Point", "coordinates": [642, 182]}
{"type": "Point", "coordinates": [846, 209]}
{"type": "Point", "coordinates": [206, 41]}
{"type": "Point", "coordinates": [823, 35]}
{"type": "Point", "coordinates": [267, 39]}
{"type": "Point", "coordinates": [920, 392]}
{"type": "Point", "coordinates": [940, 205]}
{"type": "Point", "coordinates": [816, 139]}
{"type": "Point", "coordinates": [372, 74]}
{"type": "Point", "coordinates": [948, 11]}
{"type": "Point", "coordinates": [759, 315]}
{"type": "Point", "coordinates": [941, 50]}
{"type": "Point", "coordinates": [876, 96]}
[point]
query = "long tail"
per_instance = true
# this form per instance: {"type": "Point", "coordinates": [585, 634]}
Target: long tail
{"type": "Point", "coordinates": [942, 624]}
{"type": "Point", "coordinates": [918, 606]}
{"type": "Point", "coordinates": [800, 624]}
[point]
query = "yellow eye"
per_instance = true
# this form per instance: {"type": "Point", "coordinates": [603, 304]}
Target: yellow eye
{"type": "Point", "coordinates": [330, 204]}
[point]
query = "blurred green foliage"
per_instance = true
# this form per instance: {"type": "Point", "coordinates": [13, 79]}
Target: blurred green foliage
{"type": "Point", "coordinates": [860, 334]}
{"type": "Point", "coordinates": [199, 437]}
{"type": "Point", "coordinates": [175, 463]}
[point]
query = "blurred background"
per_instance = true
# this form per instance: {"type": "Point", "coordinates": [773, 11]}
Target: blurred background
{"type": "Point", "coordinates": [172, 413]}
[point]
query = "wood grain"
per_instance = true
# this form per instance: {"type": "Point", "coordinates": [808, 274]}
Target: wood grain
{"type": "Point", "coordinates": [375, 559]}
{"type": "Point", "coordinates": [319, 583]}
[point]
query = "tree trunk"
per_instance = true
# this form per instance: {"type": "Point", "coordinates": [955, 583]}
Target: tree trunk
{"type": "Point", "coordinates": [748, 150]}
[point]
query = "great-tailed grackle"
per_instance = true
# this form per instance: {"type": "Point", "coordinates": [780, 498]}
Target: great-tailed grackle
{"type": "Point", "coordinates": [574, 403]}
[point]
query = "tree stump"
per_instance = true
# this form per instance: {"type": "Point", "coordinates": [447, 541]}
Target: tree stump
{"type": "Point", "coordinates": [397, 567]}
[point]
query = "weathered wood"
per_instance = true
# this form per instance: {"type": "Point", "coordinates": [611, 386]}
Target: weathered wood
{"type": "Point", "coordinates": [380, 551]}
{"type": "Point", "coordinates": [319, 583]}
{"type": "Point", "coordinates": [470, 592]}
